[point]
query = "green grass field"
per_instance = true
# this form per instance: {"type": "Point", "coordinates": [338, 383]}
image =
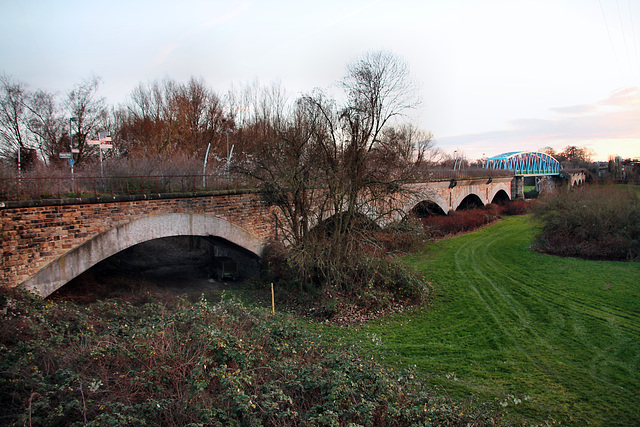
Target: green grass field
{"type": "Point", "coordinates": [546, 339]}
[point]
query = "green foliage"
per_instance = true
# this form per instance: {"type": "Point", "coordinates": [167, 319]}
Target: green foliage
{"type": "Point", "coordinates": [178, 363]}
{"type": "Point", "coordinates": [592, 223]}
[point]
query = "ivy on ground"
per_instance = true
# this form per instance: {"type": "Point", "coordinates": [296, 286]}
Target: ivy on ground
{"type": "Point", "coordinates": [180, 363]}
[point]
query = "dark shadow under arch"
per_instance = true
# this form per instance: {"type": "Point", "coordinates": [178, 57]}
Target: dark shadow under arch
{"type": "Point", "coordinates": [427, 208]}
{"type": "Point", "coordinates": [500, 198]}
{"type": "Point", "coordinates": [110, 242]}
{"type": "Point", "coordinates": [472, 201]}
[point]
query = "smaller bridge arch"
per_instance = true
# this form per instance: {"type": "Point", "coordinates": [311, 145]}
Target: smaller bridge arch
{"type": "Point", "coordinates": [427, 198]}
{"type": "Point", "coordinates": [469, 201]}
{"type": "Point", "coordinates": [73, 263]}
{"type": "Point", "coordinates": [499, 194]}
{"type": "Point", "coordinates": [427, 208]}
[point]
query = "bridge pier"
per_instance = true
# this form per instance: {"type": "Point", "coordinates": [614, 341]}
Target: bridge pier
{"type": "Point", "coordinates": [517, 188]}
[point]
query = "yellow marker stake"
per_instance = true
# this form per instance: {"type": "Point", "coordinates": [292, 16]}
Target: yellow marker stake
{"type": "Point", "coordinates": [273, 301]}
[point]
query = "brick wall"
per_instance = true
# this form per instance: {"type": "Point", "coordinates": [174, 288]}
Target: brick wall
{"type": "Point", "coordinates": [34, 236]}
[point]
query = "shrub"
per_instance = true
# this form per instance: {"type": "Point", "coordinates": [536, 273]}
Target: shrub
{"type": "Point", "coordinates": [516, 207]}
{"type": "Point", "coordinates": [179, 363]}
{"type": "Point", "coordinates": [404, 236]}
{"type": "Point", "coordinates": [459, 221]}
{"type": "Point", "coordinates": [592, 223]}
{"type": "Point", "coordinates": [359, 277]}
{"type": "Point", "coordinates": [456, 222]}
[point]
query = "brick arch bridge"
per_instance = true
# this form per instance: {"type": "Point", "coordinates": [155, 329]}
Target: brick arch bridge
{"type": "Point", "coordinates": [45, 244]}
{"type": "Point", "coordinates": [449, 195]}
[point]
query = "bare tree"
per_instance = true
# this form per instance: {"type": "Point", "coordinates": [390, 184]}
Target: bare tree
{"type": "Point", "coordinates": [281, 146]}
{"type": "Point", "coordinates": [574, 156]}
{"type": "Point", "coordinates": [13, 136]}
{"type": "Point", "coordinates": [327, 166]}
{"type": "Point", "coordinates": [378, 89]}
{"type": "Point", "coordinates": [46, 124]}
{"type": "Point", "coordinates": [88, 114]}
{"type": "Point", "coordinates": [167, 117]}
{"type": "Point", "coordinates": [200, 115]}
{"type": "Point", "coordinates": [375, 154]}
{"type": "Point", "coordinates": [145, 129]}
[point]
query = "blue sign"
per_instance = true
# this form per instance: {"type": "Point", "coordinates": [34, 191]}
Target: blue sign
{"type": "Point", "coordinates": [71, 162]}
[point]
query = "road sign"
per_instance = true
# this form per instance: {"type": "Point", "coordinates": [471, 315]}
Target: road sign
{"type": "Point", "coordinates": [66, 155]}
{"type": "Point", "coordinates": [71, 162]}
{"type": "Point", "coordinates": [75, 150]}
{"type": "Point", "coordinates": [100, 142]}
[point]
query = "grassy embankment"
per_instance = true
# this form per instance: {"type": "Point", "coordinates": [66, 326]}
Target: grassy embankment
{"type": "Point", "coordinates": [547, 338]}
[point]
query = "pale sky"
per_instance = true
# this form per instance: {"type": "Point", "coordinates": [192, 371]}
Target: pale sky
{"type": "Point", "coordinates": [494, 76]}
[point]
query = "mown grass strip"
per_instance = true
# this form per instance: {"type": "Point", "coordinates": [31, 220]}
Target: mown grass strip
{"type": "Point", "coordinates": [547, 338]}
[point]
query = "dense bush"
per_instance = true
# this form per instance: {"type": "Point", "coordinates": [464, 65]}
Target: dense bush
{"type": "Point", "coordinates": [179, 363]}
{"type": "Point", "coordinates": [516, 207]}
{"type": "Point", "coordinates": [353, 283]}
{"type": "Point", "coordinates": [438, 226]}
{"type": "Point", "coordinates": [459, 221]}
{"type": "Point", "coordinates": [593, 223]}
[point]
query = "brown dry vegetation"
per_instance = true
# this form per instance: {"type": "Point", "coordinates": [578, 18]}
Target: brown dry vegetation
{"type": "Point", "coordinates": [598, 222]}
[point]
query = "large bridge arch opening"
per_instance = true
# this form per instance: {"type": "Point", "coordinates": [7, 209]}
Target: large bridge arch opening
{"type": "Point", "coordinates": [177, 265]}
{"type": "Point", "coordinates": [104, 245]}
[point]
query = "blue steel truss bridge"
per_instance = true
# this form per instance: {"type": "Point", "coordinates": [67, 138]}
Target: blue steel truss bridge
{"type": "Point", "coordinates": [525, 163]}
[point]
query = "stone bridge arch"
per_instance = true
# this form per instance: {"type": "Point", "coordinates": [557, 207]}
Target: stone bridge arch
{"type": "Point", "coordinates": [497, 189]}
{"type": "Point", "coordinates": [424, 196]}
{"type": "Point", "coordinates": [73, 263]}
{"type": "Point", "coordinates": [469, 201]}
{"type": "Point", "coordinates": [462, 195]}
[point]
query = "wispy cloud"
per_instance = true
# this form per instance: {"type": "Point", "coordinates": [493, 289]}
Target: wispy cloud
{"type": "Point", "coordinates": [241, 8]}
{"type": "Point", "coordinates": [165, 52]}
{"type": "Point", "coordinates": [336, 21]}
{"type": "Point", "coordinates": [609, 126]}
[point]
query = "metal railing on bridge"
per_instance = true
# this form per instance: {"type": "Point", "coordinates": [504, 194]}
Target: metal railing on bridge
{"type": "Point", "coordinates": [447, 174]}
{"type": "Point", "coordinates": [21, 188]}
{"type": "Point", "coordinates": [39, 188]}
